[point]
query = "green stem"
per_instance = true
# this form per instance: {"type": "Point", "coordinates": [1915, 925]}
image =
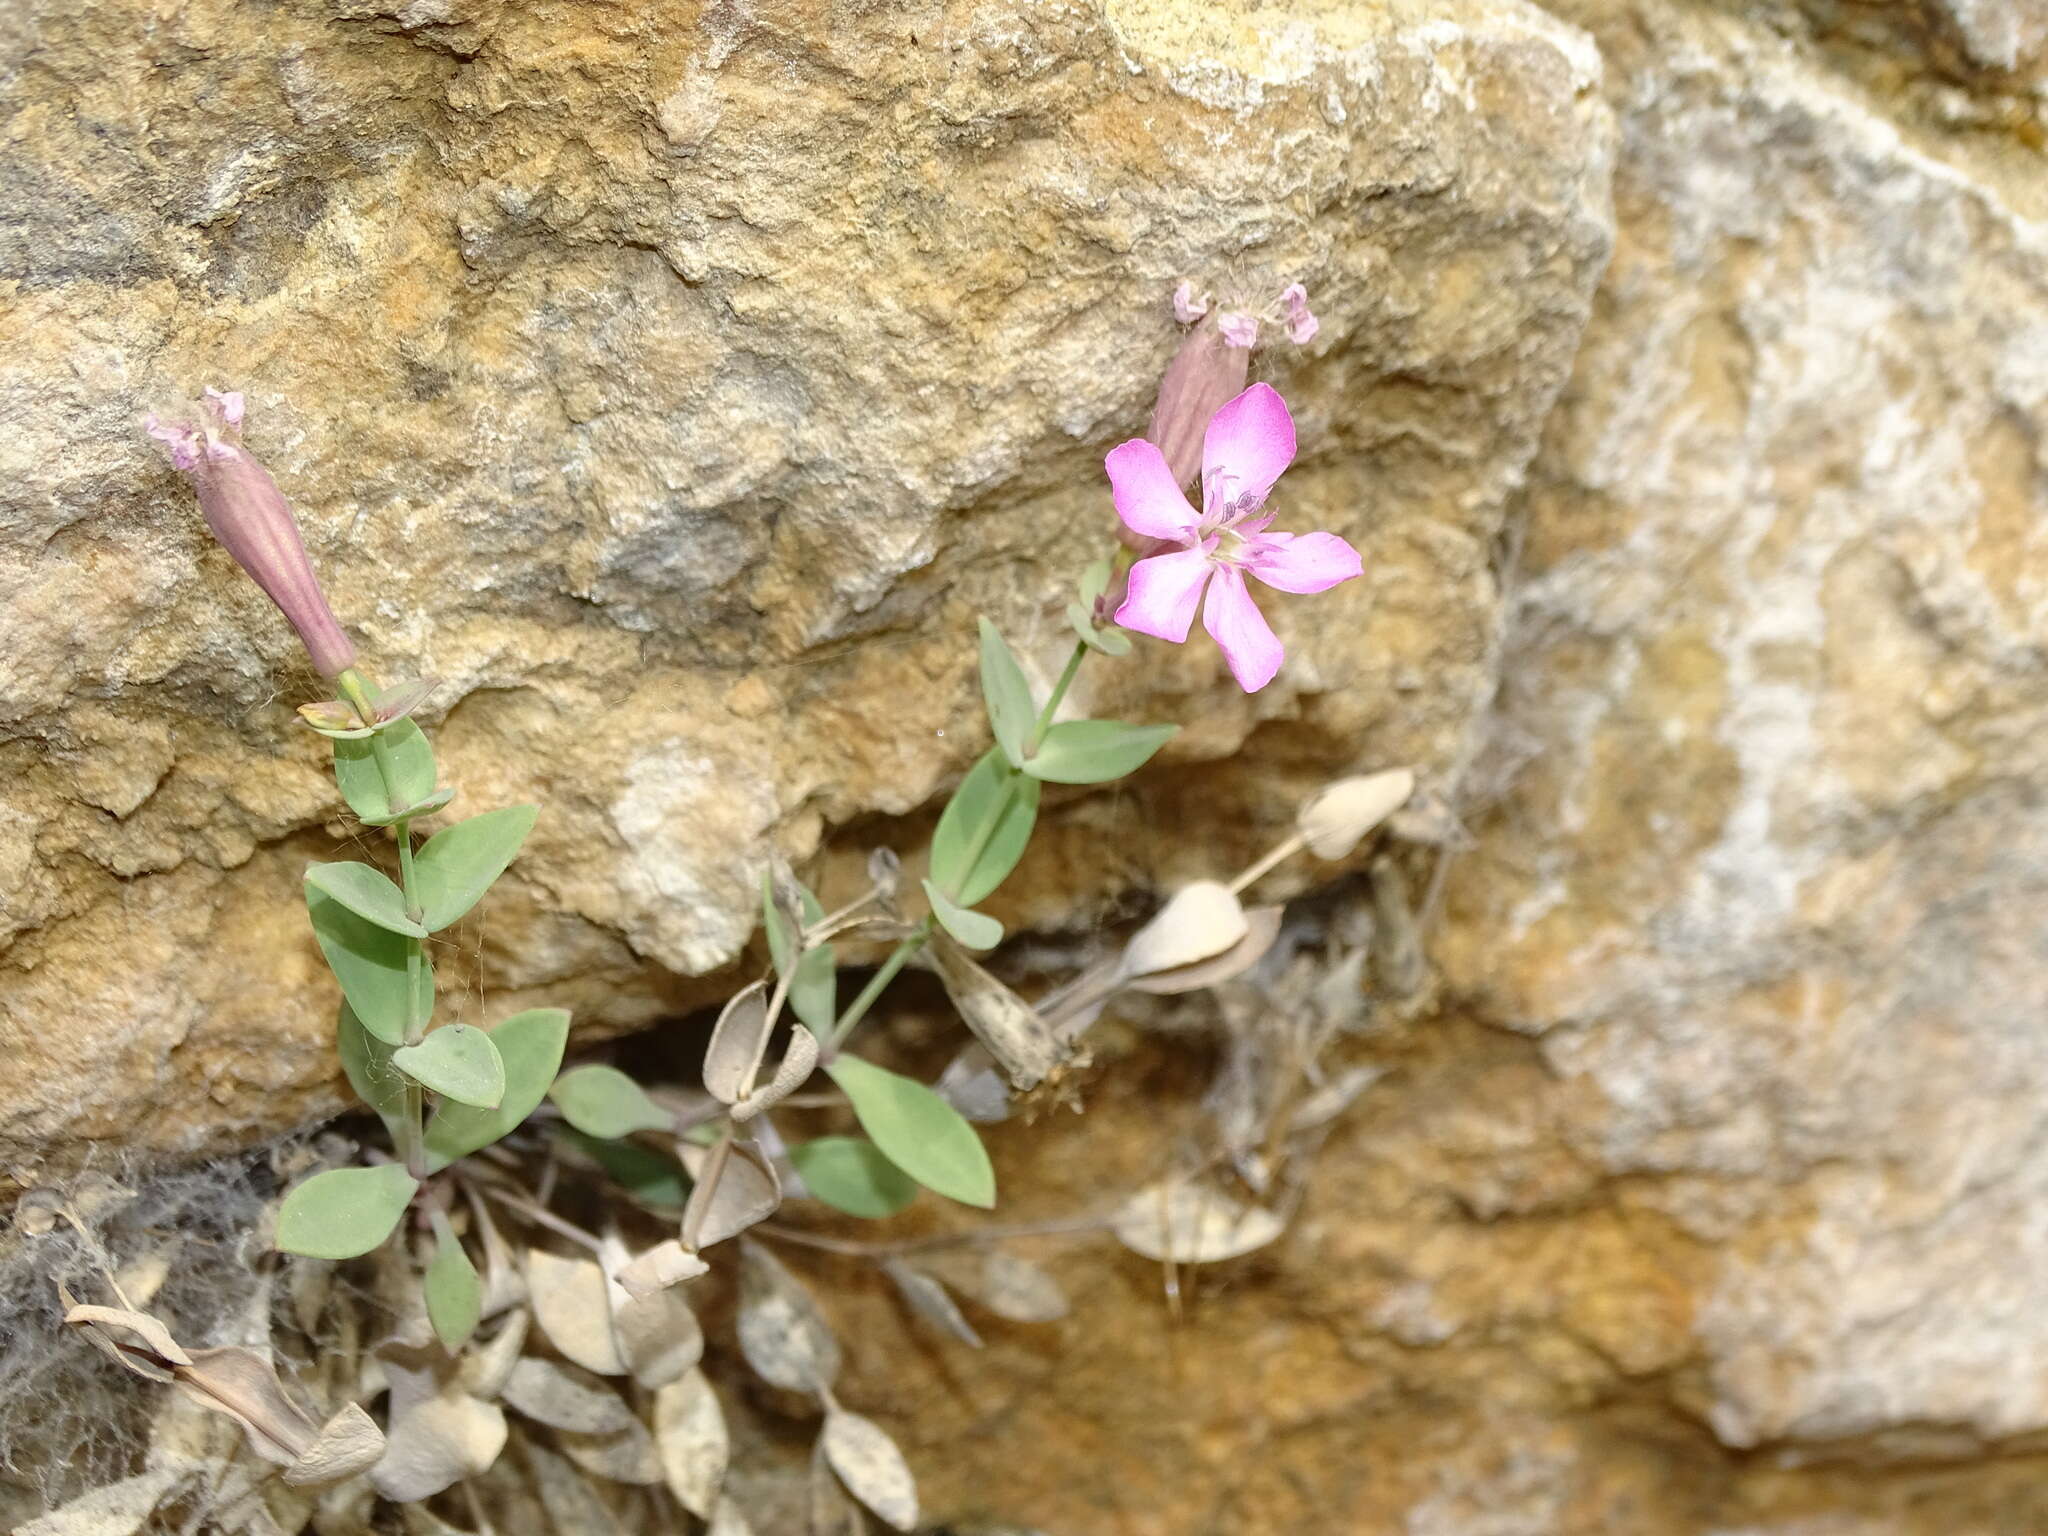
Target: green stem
{"type": "Point", "coordinates": [412, 1135]}
{"type": "Point", "coordinates": [1059, 693]}
{"type": "Point", "coordinates": [858, 1008]}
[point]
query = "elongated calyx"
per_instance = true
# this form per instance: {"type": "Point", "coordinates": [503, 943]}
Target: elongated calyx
{"type": "Point", "coordinates": [249, 515]}
{"type": "Point", "coordinates": [1206, 372]}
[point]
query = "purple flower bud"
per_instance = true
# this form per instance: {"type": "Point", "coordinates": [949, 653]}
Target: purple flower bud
{"type": "Point", "coordinates": [1208, 370]}
{"type": "Point", "coordinates": [248, 514]}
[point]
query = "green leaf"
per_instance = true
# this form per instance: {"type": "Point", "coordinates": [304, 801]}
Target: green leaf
{"type": "Point", "coordinates": [603, 1101]}
{"type": "Point", "coordinates": [654, 1180]}
{"type": "Point", "coordinates": [976, 930]}
{"type": "Point", "coordinates": [455, 1296]}
{"type": "Point", "coordinates": [1094, 582]}
{"type": "Point", "coordinates": [344, 1212]}
{"type": "Point", "coordinates": [362, 782]}
{"type": "Point", "coordinates": [1011, 713]}
{"type": "Point", "coordinates": [369, 962]}
{"type": "Point", "coordinates": [458, 864]}
{"type": "Point", "coordinates": [366, 892]}
{"type": "Point", "coordinates": [814, 994]}
{"type": "Point", "coordinates": [458, 1062]}
{"type": "Point", "coordinates": [530, 1045]}
{"type": "Point", "coordinates": [850, 1174]}
{"type": "Point", "coordinates": [918, 1131]}
{"type": "Point", "coordinates": [367, 1061]}
{"type": "Point", "coordinates": [992, 795]}
{"type": "Point", "coordinates": [433, 802]}
{"type": "Point", "coordinates": [1095, 751]}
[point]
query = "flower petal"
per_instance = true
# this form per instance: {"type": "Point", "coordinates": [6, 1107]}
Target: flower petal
{"type": "Point", "coordinates": [1146, 497]}
{"type": "Point", "coordinates": [1250, 440]}
{"type": "Point", "coordinates": [1248, 642]}
{"type": "Point", "coordinates": [1163, 594]}
{"type": "Point", "coordinates": [1303, 562]}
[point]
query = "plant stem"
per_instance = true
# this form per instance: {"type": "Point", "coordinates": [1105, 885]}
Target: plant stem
{"type": "Point", "coordinates": [858, 1008]}
{"type": "Point", "coordinates": [1059, 694]}
{"type": "Point", "coordinates": [1271, 861]}
{"type": "Point", "coordinates": [412, 1135]}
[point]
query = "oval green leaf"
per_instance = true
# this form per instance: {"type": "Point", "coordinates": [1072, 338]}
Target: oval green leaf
{"type": "Point", "coordinates": [458, 1062]}
{"type": "Point", "coordinates": [530, 1046]}
{"type": "Point", "coordinates": [656, 1181]}
{"type": "Point", "coordinates": [918, 1131]}
{"type": "Point", "coordinates": [975, 930]}
{"type": "Point", "coordinates": [433, 802]}
{"type": "Point", "coordinates": [603, 1101]}
{"type": "Point", "coordinates": [1011, 712]}
{"type": "Point", "coordinates": [458, 864]}
{"type": "Point", "coordinates": [370, 963]}
{"type": "Point", "coordinates": [850, 1174]}
{"type": "Point", "coordinates": [367, 1061]}
{"type": "Point", "coordinates": [1095, 751]}
{"type": "Point", "coordinates": [344, 1212]}
{"type": "Point", "coordinates": [366, 892]}
{"type": "Point", "coordinates": [993, 811]}
{"type": "Point", "coordinates": [455, 1295]}
{"type": "Point", "coordinates": [362, 781]}
{"type": "Point", "coordinates": [814, 993]}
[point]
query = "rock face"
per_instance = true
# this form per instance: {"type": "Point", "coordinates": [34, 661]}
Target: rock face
{"type": "Point", "coordinates": [1765, 874]}
{"type": "Point", "coordinates": [677, 382]}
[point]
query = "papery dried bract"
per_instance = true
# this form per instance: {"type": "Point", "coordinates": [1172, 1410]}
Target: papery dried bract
{"type": "Point", "coordinates": [1336, 817]}
{"type": "Point", "coordinates": [798, 1062]}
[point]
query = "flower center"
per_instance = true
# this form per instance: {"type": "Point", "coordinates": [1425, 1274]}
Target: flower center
{"type": "Point", "coordinates": [1229, 519]}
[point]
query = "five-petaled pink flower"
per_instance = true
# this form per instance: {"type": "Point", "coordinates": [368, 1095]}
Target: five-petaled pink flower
{"type": "Point", "coordinates": [1250, 440]}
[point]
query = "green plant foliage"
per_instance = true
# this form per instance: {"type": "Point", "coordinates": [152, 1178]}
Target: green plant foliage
{"type": "Point", "coordinates": [918, 1131]}
{"type": "Point", "coordinates": [366, 892]}
{"type": "Point", "coordinates": [344, 1212]}
{"type": "Point", "coordinates": [458, 1062]}
{"type": "Point", "coordinates": [1095, 751]}
{"type": "Point", "coordinates": [657, 1182]}
{"type": "Point", "coordinates": [993, 811]}
{"type": "Point", "coordinates": [458, 863]}
{"type": "Point", "coordinates": [362, 781]}
{"type": "Point", "coordinates": [369, 962]}
{"type": "Point", "coordinates": [530, 1046]}
{"type": "Point", "coordinates": [1081, 614]}
{"type": "Point", "coordinates": [455, 1296]}
{"type": "Point", "coordinates": [433, 802]}
{"type": "Point", "coordinates": [603, 1101]}
{"type": "Point", "coordinates": [850, 1174]}
{"type": "Point", "coordinates": [814, 994]}
{"type": "Point", "coordinates": [976, 930]}
{"type": "Point", "coordinates": [1011, 712]}
{"type": "Point", "coordinates": [367, 1061]}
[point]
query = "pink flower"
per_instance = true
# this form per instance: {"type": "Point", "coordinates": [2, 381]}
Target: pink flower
{"type": "Point", "coordinates": [1301, 323]}
{"type": "Point", "coordinates": [1249, 442]}
{"type": "Point", "coordinates": [248, 514]}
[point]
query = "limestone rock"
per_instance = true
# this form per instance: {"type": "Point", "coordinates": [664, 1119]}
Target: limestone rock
{"type": "Point", "coordinates": [677, 381]}
{"type": "Point", "coordinates": [1767, 862]}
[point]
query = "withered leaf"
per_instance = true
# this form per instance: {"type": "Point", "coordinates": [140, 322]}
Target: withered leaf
{"type": "Point", "coordinates": [565, 1397]}
{"type": "Point", "coordinates": [782, 1333]}
{"type": "Point", "coordinates": [1019, 1290]}
{"type": "Point", "coordinates": [738, 1042]}
{"type": "Point", "coordinates": [485, 1367]}
{"type": "Point", "coordinates": [832, 1513]}
{"type": "Point", "coordinates": [690, 1436]}
{"type": "Point", "coordinates": [1022, 1044]}
{"type": "Point", "coordinates": [572, 1308]}
{"type": "Point", "coordinates": [1193, 1224]}
{"type": "Point", "coordinates": [798, 1062]}
{"type": "Point", "coordinates": [745, 1191]}
{"type": "Point", "coordinates": [931, 1301]}
{"type": "Point", "coordinates": [439, 1434]}
{"type": "Point", "coordinates": [665, 1264]}
{"type": "Point", "coordinates": [870, 1466]}
{"type": "Point", "coordinates": [348, 1443]}
{"type": "Point", "coordinates": [119, 1509]}
{"type": "Point", "coordinates": [624, 1456]}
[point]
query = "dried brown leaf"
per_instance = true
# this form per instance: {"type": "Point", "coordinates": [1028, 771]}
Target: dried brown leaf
{"type": "Point", "coordinates": [691, 1439]}
{"type": "Point", "coordinates": [438, 1434]}
{"type": "Point", "coordinates": [1193, 1224]}
{"type": "Point", "coordinates": [1019, 1290]}
{"type": "Point", "coordinates": [485, 1367]}
{"type": "Point", "coordinates": [572, 1308]}
{"type": "Point", "coordinates": [870, 1466]}
{"type": "Point", "coordinates": [798, 1062]}
{"type": "Point", "coordinates": [625, 1456]}
{"type": "Point", "coordinates": [663, 1265]}
{"type": "Point", "coordinates": [243, 1385]}
{"type": "Point", "coordinates": [1262, 927]}
{"type": "Point", "coordinates": [782, 1333]}
{"type": "Point", "coordinates": [348, 1443]}
{"type": "Point", "coordinates": [831, 1512]}
{"type": "Point", "coordinates": [738, 1042]}
{"type": "Point", "coordinates": [565, 1396]}
{"type": "Point", "coordinates": [746, 1191]}
{"type": "Point", "coordinates": [931, 1301]}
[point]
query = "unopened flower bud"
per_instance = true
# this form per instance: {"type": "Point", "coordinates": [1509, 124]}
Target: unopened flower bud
{"type": "Point", "coordinates": [1301, 324]}
{"type": "Point", "coordinates": [1208, 371]}
{"type": "Point", "coordinates": [249, 515]}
